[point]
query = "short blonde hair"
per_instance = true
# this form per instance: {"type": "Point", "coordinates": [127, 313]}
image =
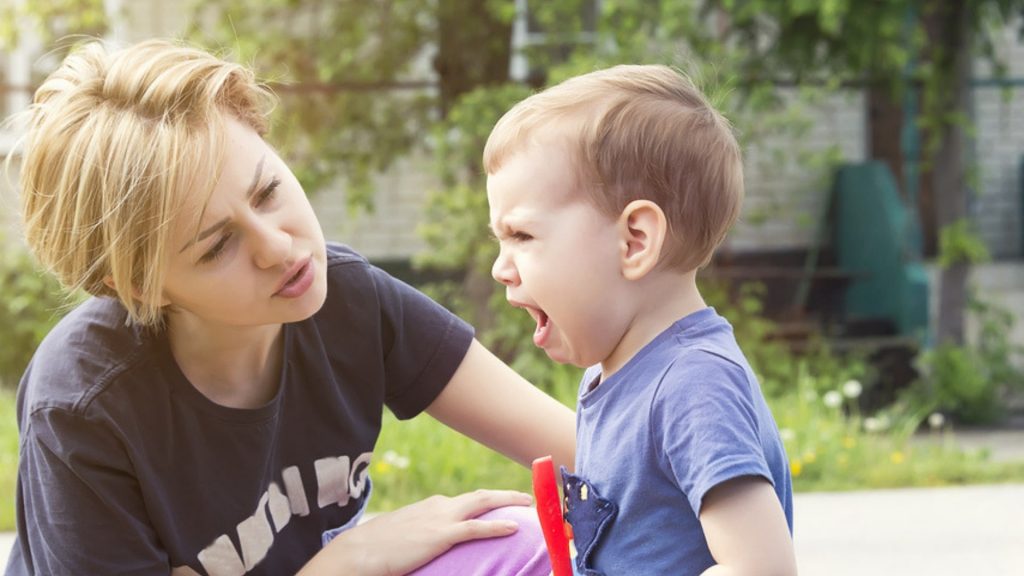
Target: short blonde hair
{"type": "Point", "coordinates": [638, 132]}
{"type": "Point", "coordinates": [115, 140]}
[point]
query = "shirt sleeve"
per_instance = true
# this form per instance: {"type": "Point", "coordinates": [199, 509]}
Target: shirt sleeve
{"type": "Point", "coordinates": [83, 512]}
{"type": "Point", "coordinates": [424, 344]}
{"type": "Point", "coordinates": [706, 426]}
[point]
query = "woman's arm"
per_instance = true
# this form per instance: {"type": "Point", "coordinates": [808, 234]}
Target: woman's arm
{"type": "Point", "coordinates": [489, 402]}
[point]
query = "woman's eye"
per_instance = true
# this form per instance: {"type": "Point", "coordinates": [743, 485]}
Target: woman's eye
{"type": "Point", "coordinates": [216, 251]}
{"type": "Point", "coordinates": [268, 192]}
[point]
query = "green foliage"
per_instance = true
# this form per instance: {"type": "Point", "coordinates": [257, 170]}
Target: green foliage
{"type": "Point", "coordinates": [8, 459]}
{"type": "Point", "coordinates": [51, 19]}
{"type": "Point", "coordinates": [352, 99]}
{"type": "Point", "coordinates": [31, 302]}
{"type": "Point", "coordinates": [960, 244]}
{"type": "Point", "coordinates": [971, 382]}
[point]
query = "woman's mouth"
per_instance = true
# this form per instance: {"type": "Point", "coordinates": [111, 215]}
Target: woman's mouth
{"type": "Point", "coordinates": [298, 280]}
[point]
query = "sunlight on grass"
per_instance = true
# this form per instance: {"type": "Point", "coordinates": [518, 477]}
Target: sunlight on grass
{"type": "Point", "coordinates": [420, 457]}
{"type": "Point", "coordinates": [8, 458]}
{"type": "Point", "coordinates": [829, 449]}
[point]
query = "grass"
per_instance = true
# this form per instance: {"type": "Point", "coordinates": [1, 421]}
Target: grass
{"type": "Point", "coordinates": [8, 458]}
{"type": "Point", "coordinates": [829, 449]}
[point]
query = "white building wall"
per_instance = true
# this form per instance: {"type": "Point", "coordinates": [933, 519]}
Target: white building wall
{"type": "Point", "coordinates": [998, 149]}
{"type": "Point", "coordinates": [785, 197]}
{"type": "Point", "coordinates": [390, 230]}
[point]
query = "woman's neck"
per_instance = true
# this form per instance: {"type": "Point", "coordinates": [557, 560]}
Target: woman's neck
{"type": "Point", "coordinates": [234, 366]}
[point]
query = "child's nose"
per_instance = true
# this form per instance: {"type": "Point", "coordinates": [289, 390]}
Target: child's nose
{"type": "Point", "coordinates": [503, 271]}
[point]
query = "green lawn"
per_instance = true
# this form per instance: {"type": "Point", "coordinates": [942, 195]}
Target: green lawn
{"type": "Point", "coordinates": [420, 457]}
{"type": "Point", "coordinates": [8, 458]}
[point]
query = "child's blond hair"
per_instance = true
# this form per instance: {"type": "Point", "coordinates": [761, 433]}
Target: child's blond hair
{"type": "Point", "coordinates": [115, 141]}
{"type": "Point", "coordinates": [638, 132]}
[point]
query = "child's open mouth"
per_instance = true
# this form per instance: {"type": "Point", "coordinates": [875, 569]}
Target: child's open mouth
{"type": "Point", "coordinates": [540, 335]}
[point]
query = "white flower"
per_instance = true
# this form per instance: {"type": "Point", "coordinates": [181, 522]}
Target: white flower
{"type": "Point", "coordinates": [872, 424]}
{"type": "Point", "coordinates": [395, 459]}
{"type": "Point", "coordinates": [936, 420]}
{"type": "Point", "coordinates": [787, 434]}
{"type": "Point", "coordinates": [833, 399]}
{"type": "Point", "coordinates": [852, 389]}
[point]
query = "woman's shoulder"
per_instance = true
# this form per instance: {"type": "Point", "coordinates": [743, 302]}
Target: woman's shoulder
{"type": "Point", "coordinates": [88, 349]}
{"type": "Point", "coordinates": [340, 256]}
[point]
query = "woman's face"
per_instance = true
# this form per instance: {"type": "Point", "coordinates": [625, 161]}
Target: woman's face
{"type": "Point", "coordinates": [259, 256]}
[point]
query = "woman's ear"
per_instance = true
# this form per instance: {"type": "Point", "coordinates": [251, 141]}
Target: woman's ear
{"type": "Point", "coordinates": [642, 229]}
{"type": "Point", "coordinates": [109, 282]}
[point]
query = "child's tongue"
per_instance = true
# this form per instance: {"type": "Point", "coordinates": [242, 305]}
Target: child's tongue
{"type": "Point", "coordinates": [540, 335]}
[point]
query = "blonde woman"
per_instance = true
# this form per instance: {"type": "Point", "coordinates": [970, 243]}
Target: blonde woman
{"type": "Point", "coordinates": [213, 409]}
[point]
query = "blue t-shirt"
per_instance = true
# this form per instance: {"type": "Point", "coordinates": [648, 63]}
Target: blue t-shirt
{"type": "Point", "coordinates": [681, 417]}
{"type": "Point", "coordinates": [127, 468]}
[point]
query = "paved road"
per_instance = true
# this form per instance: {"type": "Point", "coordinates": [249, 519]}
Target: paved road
{"type": "Point", "coordinates": [927, 531]}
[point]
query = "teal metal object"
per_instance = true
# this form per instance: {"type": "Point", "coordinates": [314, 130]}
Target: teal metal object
{"type": "Point", "coordinates": [873, 241]}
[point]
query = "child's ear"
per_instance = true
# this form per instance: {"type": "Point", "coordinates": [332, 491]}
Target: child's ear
{"type": "Point", "coordinates": [642, 228]}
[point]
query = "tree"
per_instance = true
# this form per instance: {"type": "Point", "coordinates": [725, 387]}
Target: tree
{"type": "Point", "coordinates": [892, 48]}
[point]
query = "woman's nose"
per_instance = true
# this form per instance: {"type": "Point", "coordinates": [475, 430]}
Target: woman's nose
{"type": "Point", "coordinates": [272, 245]}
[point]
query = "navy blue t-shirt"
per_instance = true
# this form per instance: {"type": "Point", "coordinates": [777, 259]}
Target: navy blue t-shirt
{"type": "Point", "coordinates": [127, 468]}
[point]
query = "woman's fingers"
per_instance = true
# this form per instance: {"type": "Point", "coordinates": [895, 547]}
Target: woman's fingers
{"type": "Point", "coordinates": [398, 542]}
{"type": "Point", "coordinates": [475, 503]}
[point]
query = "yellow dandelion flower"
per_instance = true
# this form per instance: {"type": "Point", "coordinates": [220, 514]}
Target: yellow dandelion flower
{"type": "Point", "coordinates": [897, 457]}
{"type": "Point", "coordinates": [381, 467]}
{"type": "Point", "coordinates": [849, 442]}
{"type": "Point", "coordinates": [795, 466]}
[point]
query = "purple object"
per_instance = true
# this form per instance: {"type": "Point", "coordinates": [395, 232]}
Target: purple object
{"type": "Point", "coordinates": [520, 554]}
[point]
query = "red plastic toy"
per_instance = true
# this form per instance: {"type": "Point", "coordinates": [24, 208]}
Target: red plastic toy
{"type": "Point", "coordinates": [549, 511]}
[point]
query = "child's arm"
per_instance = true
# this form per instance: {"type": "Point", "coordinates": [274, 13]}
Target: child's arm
{"type": "Point", "coordinates": [487, 401]}
{"type": "Point", "coordinates": [746, 529]}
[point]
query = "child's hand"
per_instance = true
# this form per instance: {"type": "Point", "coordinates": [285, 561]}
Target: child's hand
{"type": "Point", "coordinates": [396, 543]}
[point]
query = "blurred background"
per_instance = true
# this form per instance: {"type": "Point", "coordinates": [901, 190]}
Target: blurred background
{"type": "Point", "coordinates": [876, 278]}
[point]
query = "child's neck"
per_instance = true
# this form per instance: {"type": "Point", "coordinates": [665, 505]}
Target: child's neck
{"type": "Point", "coordinates": [660, 300]}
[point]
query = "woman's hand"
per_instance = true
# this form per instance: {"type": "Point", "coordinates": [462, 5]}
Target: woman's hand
{"type": "Point", "coordinates": [396, 543]}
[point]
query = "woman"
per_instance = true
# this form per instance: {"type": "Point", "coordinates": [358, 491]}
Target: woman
{"type": "Point", "coordinates": [214, 408]}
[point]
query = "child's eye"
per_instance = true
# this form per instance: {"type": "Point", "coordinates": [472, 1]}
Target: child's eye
{"type": "Point", "coordinates": [520, 236]}
{"type": "Point", "coordinates": [216, 251]}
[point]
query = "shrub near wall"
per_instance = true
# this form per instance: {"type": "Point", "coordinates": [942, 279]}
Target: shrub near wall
{"type": "Point", "coordinates": [31, 302]}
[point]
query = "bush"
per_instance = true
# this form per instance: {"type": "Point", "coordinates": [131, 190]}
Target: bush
{"type": "Point", "coordinates": [971, 382]}
{"type": "Point", "coordinates": [31, 302]}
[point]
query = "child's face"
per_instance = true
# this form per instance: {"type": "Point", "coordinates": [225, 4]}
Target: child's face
{"type": "Point", "coordinates": [260, 257]}
{"type": "Point", "coordinates": [559, 256]}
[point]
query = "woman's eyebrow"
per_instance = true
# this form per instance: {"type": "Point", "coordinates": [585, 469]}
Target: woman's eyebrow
{"type": "Point", "coordinates": [220, 223]}
{"type": "Point", "coordinates": [256, 176]}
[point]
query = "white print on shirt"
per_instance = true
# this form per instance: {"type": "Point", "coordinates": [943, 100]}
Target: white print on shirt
{"type": "Point", "coordinates": [338, 480]}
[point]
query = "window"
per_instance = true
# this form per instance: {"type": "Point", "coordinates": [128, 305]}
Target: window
{"type": "Point", "coordinates": [530, 38]}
